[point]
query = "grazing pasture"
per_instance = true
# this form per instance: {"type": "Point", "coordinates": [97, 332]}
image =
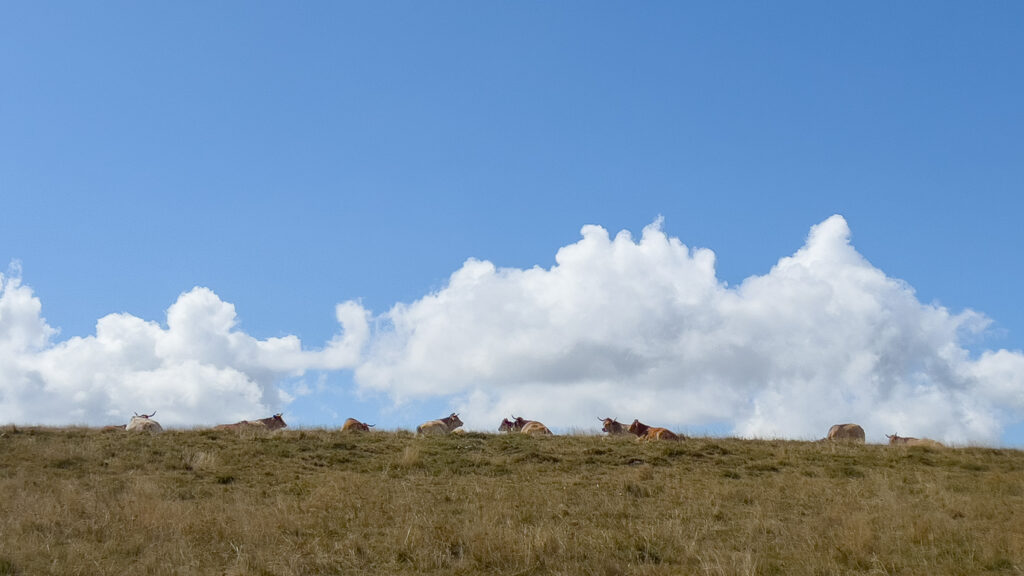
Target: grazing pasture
{"type": "Point", "coordinates": [311, 502]}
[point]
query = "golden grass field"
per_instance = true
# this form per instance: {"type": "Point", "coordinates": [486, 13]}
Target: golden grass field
{"type": "Point", "coordinates": [310, 502]}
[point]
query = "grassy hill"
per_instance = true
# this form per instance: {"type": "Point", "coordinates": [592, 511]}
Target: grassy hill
{"type": "Point", "coordinates": [307, 502]}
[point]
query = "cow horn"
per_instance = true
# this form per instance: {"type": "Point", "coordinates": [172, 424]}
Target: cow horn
{"type": "Point", "coordinates": [151, 415]}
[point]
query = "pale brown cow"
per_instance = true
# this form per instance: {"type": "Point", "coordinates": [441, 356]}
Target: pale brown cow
{"type": "Point", "coordinates": [275, 422]}
{"type": "Point", "coordinates": [442, 426]}
{"type": "Point", "coordinates": [895, 440]}
{"type": "Point", "coordinates": [846, 433]}
{"type": "Point", "coordinates": [525, 426]}
{"type": "Point", "coordinates": [645, 432]}
{"type": "Point", "coordinates": [535, 428]}
{"type": "Point", "coordinates": [143, 423]}
{"type": "Point", "coordinates": [353, 425]}
{"type": "Point", "coordinates": [243, 425]}
{"type": "Point", "coordinates": [613, 427]}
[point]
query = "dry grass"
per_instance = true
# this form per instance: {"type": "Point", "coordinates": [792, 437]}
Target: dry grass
{"type": "Point", "coordinates": [77, 501]}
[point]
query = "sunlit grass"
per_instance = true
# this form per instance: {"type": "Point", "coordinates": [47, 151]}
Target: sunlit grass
{"type": "Point", "coordinates": [78, 501]}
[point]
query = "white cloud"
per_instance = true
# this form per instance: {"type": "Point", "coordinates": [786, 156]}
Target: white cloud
{"type": "Point", "coordinates": [644, 329]}
{"type": "Point", "coordinates": [199, 370]}
{"type": "Point", "coordinates": [22, 329]}
{"type": "Point", "coordinates": [620, 327]}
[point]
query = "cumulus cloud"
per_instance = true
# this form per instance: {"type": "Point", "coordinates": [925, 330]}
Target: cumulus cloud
{"type": "Point", "coordinates": [644, 329]}
{"type": "Point", "coordinates": [619, 326]}
{"type": "Point", "coordinates": [200, 369]}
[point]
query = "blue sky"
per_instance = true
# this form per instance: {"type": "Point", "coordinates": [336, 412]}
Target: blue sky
{"type": "Point", "coordinates": [291, 158]}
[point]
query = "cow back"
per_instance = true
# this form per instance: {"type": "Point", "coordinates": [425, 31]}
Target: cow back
{"type": "Point", "coordinates": [846, 432]}
{"type": "Point", "coordinates": [911, 441]}
{"type": "Point", "coordinates": [353, 425]}
{"type": "Point", "coordinates": [925, 442]}
{"type": "Point", "coordinates": [243, 425]}
{"type": "Point", "coordinates": [143, 424]}
{"type": "Point", "coordinates": [534, 427]}
{"type": "Point", "coordinates": [660, 434]}
{"type": "Point", "coordinates": [432, 427]}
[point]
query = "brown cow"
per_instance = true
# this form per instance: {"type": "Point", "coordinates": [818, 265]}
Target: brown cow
{"type": "Point", "coordinates": [846, 433]}
{"type": "Point", "coordinates": [274, 422]}
{"type": "Point", "coordinates": [442, 426]}
{"type": "Point", "coordinates": [353, 425]}
{"type": "Point", "coordinates": [613, 427]}
{"type": "Point", "coordinates": [142, 423]}
{"type": "Point", "coordinates": [895, 440]}
{"type": "Point", "coordinates": [645, 432]}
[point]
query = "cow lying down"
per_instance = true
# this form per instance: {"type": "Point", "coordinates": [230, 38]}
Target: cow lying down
{"type": "Point", "coordinates": [272, 423]}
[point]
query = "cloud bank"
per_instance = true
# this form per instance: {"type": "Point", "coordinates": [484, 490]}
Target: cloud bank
{"type": "Point", "coordinates": [199, 370]}
{"type": "Point", "coordinates": [621, 327]}
{"type": "Point", "coordinates": [644, 329]}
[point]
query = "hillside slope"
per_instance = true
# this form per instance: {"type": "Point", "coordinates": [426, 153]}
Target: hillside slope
{"type": "Point", "coordinates": [81, 501]}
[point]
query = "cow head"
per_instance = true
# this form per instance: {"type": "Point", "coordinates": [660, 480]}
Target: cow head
{"type": "Point", "coordinates": [638, 428]}
{"type": "Point", "coordinates": [275, 422]}
{"type": "Point", "coordinates": [612, 426]}
{"type": "Point", "coordinates": [452, 421]}
{"type": "Point", "coordinates": [506, 425]}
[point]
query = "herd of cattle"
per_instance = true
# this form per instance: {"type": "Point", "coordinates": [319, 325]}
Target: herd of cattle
{"type": "Point", "coordinates": [518, 425]}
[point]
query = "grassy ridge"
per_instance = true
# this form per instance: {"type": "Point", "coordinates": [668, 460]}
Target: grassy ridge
{"type": "Point", "coordinates": [78, 501]}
